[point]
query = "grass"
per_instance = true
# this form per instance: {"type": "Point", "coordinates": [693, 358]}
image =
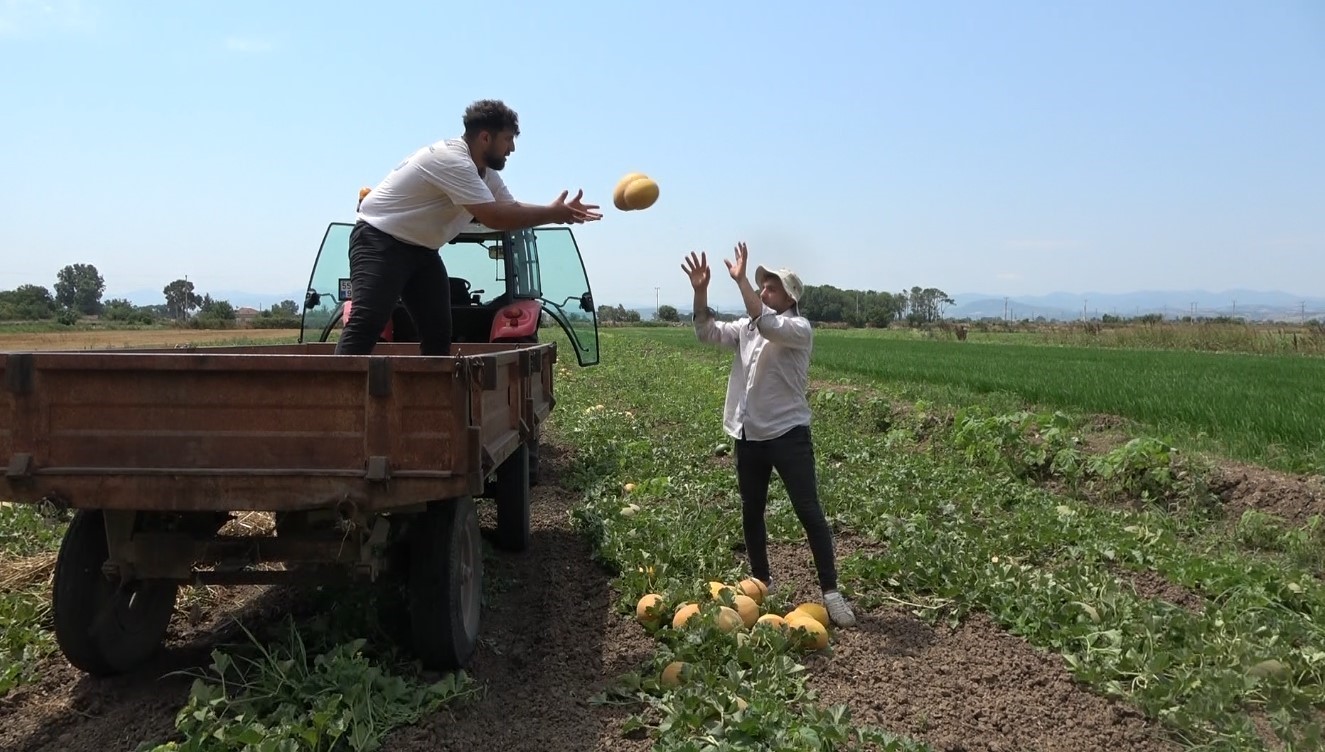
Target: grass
{"type": "Point", "coordinates": [26, 532]}
{"type": "Point", "coordinates": [1268, 410]}
{"type": "Point", "coordinates": [997, 512]}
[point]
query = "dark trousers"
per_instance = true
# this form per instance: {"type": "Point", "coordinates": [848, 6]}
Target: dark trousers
{"type": "Point", "coordinates": [383, 270]}
{"type": "Point", "coordinates": [792, 455]}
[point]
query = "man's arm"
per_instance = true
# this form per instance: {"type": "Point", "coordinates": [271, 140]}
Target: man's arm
{"type": "Point", "coordinates": [788, 331]}
{"type": "Point", "coordinates": [708, 329]}
{"type": "Point", "coordinates": [494, 205]}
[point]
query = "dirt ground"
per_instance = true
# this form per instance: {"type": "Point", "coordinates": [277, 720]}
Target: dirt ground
{"type": "Point", "coordinates": [101, 340]}
{"type": "Point", "coordinates": [551, 641]}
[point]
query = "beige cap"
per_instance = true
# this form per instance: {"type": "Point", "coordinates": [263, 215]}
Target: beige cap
{"type": "Point", "coordinates": [791, 282]}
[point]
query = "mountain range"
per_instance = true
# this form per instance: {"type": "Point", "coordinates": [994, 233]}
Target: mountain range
{"type": "Point", "coordinates": [1253, 305]}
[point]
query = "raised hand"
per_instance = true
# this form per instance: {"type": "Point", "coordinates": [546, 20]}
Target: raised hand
{"type": "Point", "coordinates": [697, 268]}
{"type": "Point", "coordinates": [737, 268]}
{"type": "Point", "coordinates": [575, 211]}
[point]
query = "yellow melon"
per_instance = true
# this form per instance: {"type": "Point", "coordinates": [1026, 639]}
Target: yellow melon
{"type": "Point", "coordinates": [753, 588]}
{"type": "Point", "coordinates": [364, 191]}
{"type": "Point", "coordinates": [747, 608]}
{"type": "Point", "coordinates": [619, 193]}
{"type": "Point", "coordinates": [648, 611]}
{"type": "Point", "coordinates": [641, 193]}
{"type": "Point", "coordinates": [814, 636]}
{"type": "Point", "coordinates": [671, 674]}
{"type": "Point", "coordinates": [684, 614]}
{"type": "Point", "coordinates": [729, 619]}
{"type": "Point", "coordinates": [816, 611]}
{"type": "Point", "coordinates": [716, 588]}
{"type": "Point", "coordinates": [773, 620]}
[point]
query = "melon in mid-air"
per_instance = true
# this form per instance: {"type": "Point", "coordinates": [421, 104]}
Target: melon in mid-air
{"type": "Point", "coordinates": [634, 192]}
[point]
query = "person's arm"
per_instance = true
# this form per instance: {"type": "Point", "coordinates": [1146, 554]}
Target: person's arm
{"type": "Point", "coordinates": [788, 331]}
{"type": "Point", "coordinates": [499, 210]}
{"type": "Point", "coordinates": [708, 329]}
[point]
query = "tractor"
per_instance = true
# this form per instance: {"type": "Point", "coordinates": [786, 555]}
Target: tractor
{"type": "Point", "coordinates": [505, 286]}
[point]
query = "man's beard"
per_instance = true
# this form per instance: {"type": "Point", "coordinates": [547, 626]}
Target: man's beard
{"type": "Point", "coordinates": [494, 161]}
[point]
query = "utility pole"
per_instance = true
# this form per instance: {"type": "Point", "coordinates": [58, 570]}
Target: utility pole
{"type": "Point", "coordinates": [657, 302]}
{"type": "Point", "coordinates": [1005, 309]}
{"type": "Point", "coordinates": [1083, 308]}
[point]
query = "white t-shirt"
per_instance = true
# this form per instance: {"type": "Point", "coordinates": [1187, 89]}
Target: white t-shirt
{"type": "Point", "coordinates": [422, 200]}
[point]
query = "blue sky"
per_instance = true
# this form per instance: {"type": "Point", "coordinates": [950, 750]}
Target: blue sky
{"type": "Point", "coordinates": [1001, 147]}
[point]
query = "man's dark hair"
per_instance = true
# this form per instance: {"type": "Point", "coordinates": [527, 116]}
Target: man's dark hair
{"type": "Point", "coordinates": [490, 115]}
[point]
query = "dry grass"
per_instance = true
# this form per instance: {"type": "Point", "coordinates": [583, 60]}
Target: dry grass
{"type": "Point", "coordinates": [20, 573]}
{"type": "Point", "coordinates": [100, 340]}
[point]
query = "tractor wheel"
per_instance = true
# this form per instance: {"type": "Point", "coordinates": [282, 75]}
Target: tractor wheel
{"type": "Point", "coordinates": [104, 627]}
{"type": "Point", "coordinates": [445, 583]}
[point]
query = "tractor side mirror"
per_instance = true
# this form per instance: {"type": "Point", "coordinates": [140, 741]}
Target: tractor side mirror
{"type": "Point", "coordinates": [312, 299]}
{"type": "Point", "coordinates": [586, 303]}
{"type": "Point", "coordinates": [494, 252]}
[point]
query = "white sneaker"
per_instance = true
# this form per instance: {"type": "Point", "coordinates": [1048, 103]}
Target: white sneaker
{"type": "Point", "coordinates": [838, 609]}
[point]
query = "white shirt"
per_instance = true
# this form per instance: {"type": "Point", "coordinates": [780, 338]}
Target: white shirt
{"type": "Point", "coordinates": [423, 200]}
{"type": "Point", "coordinates": [766, 391]}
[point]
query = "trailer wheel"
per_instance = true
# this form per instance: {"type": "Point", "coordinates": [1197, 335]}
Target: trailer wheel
{"type": "Point", "coordinates": [103, 627]}
{"type": "Point", "coordinates": [512, 495]}
{"type": "Point", "coordinates": [445, 583]}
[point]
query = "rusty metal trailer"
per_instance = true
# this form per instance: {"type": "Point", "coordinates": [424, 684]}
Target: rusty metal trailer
{"type": "Point", "coordinates": [371, 465]}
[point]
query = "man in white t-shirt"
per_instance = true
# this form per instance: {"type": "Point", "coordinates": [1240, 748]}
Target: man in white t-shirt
{"type": "Point", "coordinates": [421, 206]}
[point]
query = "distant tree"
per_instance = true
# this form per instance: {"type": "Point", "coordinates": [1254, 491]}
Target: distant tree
{"type": "Point", "coordinates": [283, 315]}
{"type": "Point", "coordinates": [215, 313]}
{"type": "Point", "coordinates": [123, 311]}
{"type": "Point", "coordinates": [79, 287]}
{"type": "Point", "coordinates": [181, 300]}
{"type": "Point", "coordinates": [27, 303]}
{"type": "Point", "coordinates": [667, 313]}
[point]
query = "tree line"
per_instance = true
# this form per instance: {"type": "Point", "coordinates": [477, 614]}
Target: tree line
{"type": "Point", "coordinates": [78, 292]}
{"type": "Point", "coordinates": [830, 305]}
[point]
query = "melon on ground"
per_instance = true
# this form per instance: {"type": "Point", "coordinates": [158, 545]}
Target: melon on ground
{"type": "Point", "coordinates": [728, 619]}
{"type": "Point", "coordinates": [649, 609]}
{"type": "Point", "coordinates": [671, 674]}
{"type": "Point", "coordinates": [747, 608]}
{"type": "Point", "coordinates": [684, 614]}
{"type": "Point", "coordinates": [754, 589]}
{"type": "Point", "coordinates": [815, 611]}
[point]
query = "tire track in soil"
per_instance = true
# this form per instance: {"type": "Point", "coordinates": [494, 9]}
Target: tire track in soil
{"type": "Point", "coordinates": [972, 688]}
{"type": "Point", "coordinates": [549, 641]}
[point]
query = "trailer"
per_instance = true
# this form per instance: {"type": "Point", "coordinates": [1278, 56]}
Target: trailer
{"type": "Point", "coordinates": [371, 464]}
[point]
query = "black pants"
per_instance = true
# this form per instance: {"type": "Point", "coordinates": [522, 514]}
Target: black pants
{"type": "Point", "coordinates": [792, 455]}
{"type": "Point", "coordinates": [384, 269]}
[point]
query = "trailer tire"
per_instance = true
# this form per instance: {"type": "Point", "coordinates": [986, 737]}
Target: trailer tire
{"type": "Point", "coordinates": [102, 627]}
{"type": "Point", "coordinates": [445, 583]}
{"type": "Point", "coordinates": [512, 494]}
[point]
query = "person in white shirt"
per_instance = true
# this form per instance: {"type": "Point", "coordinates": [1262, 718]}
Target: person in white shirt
{"type": "Point", "coordinates": [418, 208]}
{"type": "Point", "coordinates": [767, 411]}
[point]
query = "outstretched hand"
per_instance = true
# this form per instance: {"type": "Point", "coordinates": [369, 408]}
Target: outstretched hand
{"type": "Point", "coordinates": [575, 211]}
{"type": "Point", "coordinates": [737, 268]}
{"type": "Point", "coordinates": [697, 268]}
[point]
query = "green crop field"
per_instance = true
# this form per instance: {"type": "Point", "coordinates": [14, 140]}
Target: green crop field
{"type": "Point", "coordinates": [1268, 409]}
{"type": "Point", "coordinates": [998, 513]}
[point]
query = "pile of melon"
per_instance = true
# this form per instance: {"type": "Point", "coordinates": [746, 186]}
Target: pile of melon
{"type": "Point", "coordinates": [807, 623]}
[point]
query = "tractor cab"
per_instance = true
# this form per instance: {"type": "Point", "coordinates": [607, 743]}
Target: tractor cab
{"type": "Point", "coordinates": [504, 285]}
